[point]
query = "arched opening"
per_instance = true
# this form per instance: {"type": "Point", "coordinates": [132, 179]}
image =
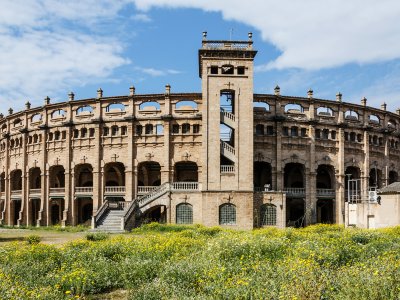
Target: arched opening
{"type": "Point", "coordinates": [155, 214]}
{"type": "Point", "coordinates": [374, 119]}
{"type": "Point", "coordinates": [16, 180]}
{"type": "Point", "coordinates": [262, 175]}
{"type": "Point", "coordinates": [149, 105]}
{"type": "Point", "coordinates": [186, 171]}
{"type": "Point", "coordinates": [227, 214]}
{"type": "Point", "coordinates": [294, 175]}
{"type": "Point", "coordinates": [186, 105]}
{"type": "Point", "coordinates": [184, 213]}
{"type": "Point", "coordinates": [57, 177]}
{"type": "Point", "coordinates": [84, 175]}
{"type": "Point", "coordinates": [114, 174]}
{"type": "Point", "coordinates": [351, 115]}
{"type": "Point", "coordinates": [59, 113]}
{"type": "Point", "coordinates": [149, 174]}
{"type": "Point", "coordinates": [259, 106]}
{"type": "Point", "coordinates": [259, 129]}
{"type": "Point", "coordinates": [3, 182]}
{"type": "Point", "coordinates": [393, 177]}
{"type": "Point", "coordinates": [35, 178]}
{"type": "Point", "coordinates": [324, 111]}
{"type": "Point", "coordinates": [325, 177]}
{"type": "Point", "coordinates": [325, 211]}
{"type": "Point", "coordinates": [84, 110]}
{"type": "Point", "coordinates": [36, 118]}
{"type": "Point", "coordinates": [293, 108]}
{"type": "Point", "coordinates": [375, 178]}
{"type": "Point", "coordinates": [268, 215]}
{"type": "Point", "coordinates": [115, 107]}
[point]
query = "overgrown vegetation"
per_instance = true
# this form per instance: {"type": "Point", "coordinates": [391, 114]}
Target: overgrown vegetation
{"type": "Point", "coordinates": [195, 262]}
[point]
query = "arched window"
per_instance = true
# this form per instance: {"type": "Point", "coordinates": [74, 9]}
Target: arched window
{"type": "Point", "coordinates": [184, 214]}
{"type": "Point", "coordinates": [294, 131]}
{"type": "Point", "coordinates": [59, 113]}
{"type": "Point", "coordinates": [352, 136]}
{"type": "Point", "coordinates": [324, 111]}
{"type": "Point", "coordinates": [374, 119]}
{"type": "Point", "coordinates": [56, 135]}
{"type": "Point", "coordinates": [268, 215]}
{"type": "Point", "coordinates": [149, 105]}
{"type": "Point", "coordinates": [124, 130]}
{"type": "Point", "coordinates": [227, 214]}
{"type": "Point", "coordinates": [91, 132]}
{"type": "Point", "coordinates": [36, 118]}
{"type": "Point", "coordinates": [325, 134]}
{"type": "Point", "coordinates": [50, 137]}
{"type": "Point", "coordinates": [106, 131]}
{"type": "Point", "coordinates": [260, 106]}
{"type": "Point", "coordinates": [84, 110]}
{"type": "Point", "coordinates": [351, 115]}
{"type": "Point", "coordinates": [76, 133]}
{"type": "Point", "coordinates": [83, 132]}
{"type": "Point", "coordinates": [115, 107]}
{"type": "Point", "coordinates": [35, 138]}
{"type": "Point", "coordinates": [17, 122]}
{"type": "Point", "coordinates": [293, 108]}
{"type": "Point", "coordinates": [186, 104]}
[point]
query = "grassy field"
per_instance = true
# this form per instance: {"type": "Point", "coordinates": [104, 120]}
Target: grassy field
{"type": "Point", "coordinates": [179, 262]}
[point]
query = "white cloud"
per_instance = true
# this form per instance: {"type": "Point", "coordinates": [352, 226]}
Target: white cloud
{"type": "Point", "coordinates": [312, 34]}
{"type": "Point", "coordinates": [40, 56]}
{"type": "Point", "coordinates": [156, 72]}
{"type": "Point", "coordinates": [141, 18]}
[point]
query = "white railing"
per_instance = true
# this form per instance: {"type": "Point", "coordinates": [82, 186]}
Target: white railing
{"type": "Point", "coordinates": [227, 147]}
{"type": "Point", "coordinates": [228, 115]}
{"type": "Point", "coordinates": [115, 189]}
{"type": "Point", "coordinates": [16, 192]}
{"type": "Point", "coordinates": [326, 192]}
{"type": "Point", "coordinates": [227, 44]}
{"type": "Point", "coordinates": [35, 191]}
{"type": "Point", "coordinates": [165, 187]}
{"type": "Point", "coordinates": [185, 186]}
{"type": "Point", "coordinates": [84, 190]}
{"type": "Point", "coordinates": [295, 191]}
{"type": "Point", "coordinates": [145, 189]}
{"type": "Point", "coordinates": [227, 168]}
{"type": "Point", "coordinates": [60, 190]}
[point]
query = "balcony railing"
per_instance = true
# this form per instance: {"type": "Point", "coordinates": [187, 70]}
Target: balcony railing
{"type": "Point", "coordinates": [15, 193]}
{"type": "Point", "coordinates": [185, 186]}
{"type": "Point", "coordinates": [142, 190]}
{"type": "Point", "coordinates": [84, 190]}
{"type": "Point", "coordinates": [60, 190]}
{"type": "Point", "coordinates": [35, 191]}
{"type": "Point", "coordinates": [293, 192]}
{"type": "Point", "coordinates": [115, 190]}
{"type": "Point", "coordinates": [227, 168]}
{"type": "Point", "coordinates": [326, 193]}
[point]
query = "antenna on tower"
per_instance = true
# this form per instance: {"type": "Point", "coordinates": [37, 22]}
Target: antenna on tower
{"type": "Point", "coordinates": [230, 34]}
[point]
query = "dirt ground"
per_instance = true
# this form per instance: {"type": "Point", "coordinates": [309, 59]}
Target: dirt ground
{"type": "Point", "coordinates": [54, 237]}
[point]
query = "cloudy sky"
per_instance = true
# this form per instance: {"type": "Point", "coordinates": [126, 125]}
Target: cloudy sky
{"type": "Point", "coordinates": [51, 47]}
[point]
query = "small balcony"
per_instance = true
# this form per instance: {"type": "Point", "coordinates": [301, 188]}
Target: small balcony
{"type": "Point", "coordinates": [185, 186]}
{"type": "Point", "coordinates": [84, 191]}
{"type": "Point", "coordinates": [59, 191]}
{"type": "Point", "coordinates": [227, 169]}
{"type": "Point", "coordinates": [295, 192]}
{"type": "Point", "coordinates": [326, 193]}
{"type": "Point", "coordinates": [114, 191]}
{"type": "Point", "coordinates": [35, 192]}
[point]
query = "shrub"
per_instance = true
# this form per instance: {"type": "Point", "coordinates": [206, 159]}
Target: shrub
{"type": "Point", "coordinates": [97, 236]}
{"type": "Point", "coordinates": [33, 239]}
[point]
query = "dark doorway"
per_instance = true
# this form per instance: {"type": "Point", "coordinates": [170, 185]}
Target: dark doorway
{"type": "Point", "coordinates": [295, 212]}
{"type": "Point", "coordinates": [156, 214]}
{"type": "Point", "coordinates": [325, 211]}
{"type": "Point", "coordinates": [35, 207]}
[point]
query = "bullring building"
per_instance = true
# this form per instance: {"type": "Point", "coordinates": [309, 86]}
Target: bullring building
{"type": "Point", "coordinates": [225, 156]}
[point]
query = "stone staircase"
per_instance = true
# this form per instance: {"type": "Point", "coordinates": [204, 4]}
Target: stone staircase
{"type": "Point", "coordinates": [111, 221]}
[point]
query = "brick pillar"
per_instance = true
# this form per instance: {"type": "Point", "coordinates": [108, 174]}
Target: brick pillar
{"type": "Point", "coordinates": [278, 160]}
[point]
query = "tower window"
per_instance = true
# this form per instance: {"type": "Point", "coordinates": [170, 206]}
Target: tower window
{"type": "Point", "coordinates": [196, 128]}
{"type": "Point", "coordinates": [139, 129]}
{"type": "Point", "coordinates": [240, 70]}
{"type": "Point", "coordinates": [175, 128]}
{"type": "Point", "coordinates": [227, 69]}
{"type": "Point", "coordinates": [214, 69]}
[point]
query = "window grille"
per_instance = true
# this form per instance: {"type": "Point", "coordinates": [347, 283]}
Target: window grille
{"type": "Point", "coordinates": [268, 215]}
{"type": "Point", "coordinates": [184, 214]}
{"type": "Point", "coordinates": [227, 214]}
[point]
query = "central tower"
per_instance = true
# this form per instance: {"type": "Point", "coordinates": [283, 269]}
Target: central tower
{"type": "Point", "coordinates": [226, 70]}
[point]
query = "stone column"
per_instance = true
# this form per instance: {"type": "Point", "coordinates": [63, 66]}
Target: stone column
{"type": "Point", "coordinates": [340, 180]}
{"type": "Point", "coordinates": [385, 179]}
{"type": "Point", "coordinates": [278, 158]}
{"type": "Point", "coordinates": [71, 194]}
{"type": "Point", "coordinates": [311, 184]}
{"type": "Point", "coordinates": [66, 217]}
{"type": "Point", "coordinates": [365, 170]}
{"type": "Point", "coordinates": [45, 190]}
{"type": "Point", "coordinates": [28, 201]}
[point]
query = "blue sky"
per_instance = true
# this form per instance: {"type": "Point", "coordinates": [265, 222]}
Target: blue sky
{"type": "Point", "coordinates": [51, 47]}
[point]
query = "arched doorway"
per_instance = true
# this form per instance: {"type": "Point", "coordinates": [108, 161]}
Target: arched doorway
{"type": "Point", "coordinates": [186, 171]}
{"type": "Point", "coordinates": [155, 214]}
{"type": "Point", "coordinates": [84, 175]}
{"type": "Point", "coordinates": [84, 210]}
{"type": "Point", "coordinates": [114, 174]}
{"type": "Point", "coordinates": [149, 173]}
{"type": "Point", "coordinates": [375, 176]}
{"type": "Point", "coordinates": [16, 202]}
{"type": "Point", "coordinates": [295, 212]}
{"type": "Point", "coordinates": [262, 175]}
{"type": "Point", "coordinates": [35, 178]}
{"type": "Point", "coordinates": [325, 211]}
{"type": "Point", "coordinates": [34, 209]}
{"type": "Point", "coordinates": [294, 183]}
{"type": "Point", "coordinates": [393, 177]}
{"type": "Point", "coordinates": [325, 177]}
{"type": "Point", "coordinates": [57, 177]}
{"type": "Point", "coordinates": [294, 175]}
